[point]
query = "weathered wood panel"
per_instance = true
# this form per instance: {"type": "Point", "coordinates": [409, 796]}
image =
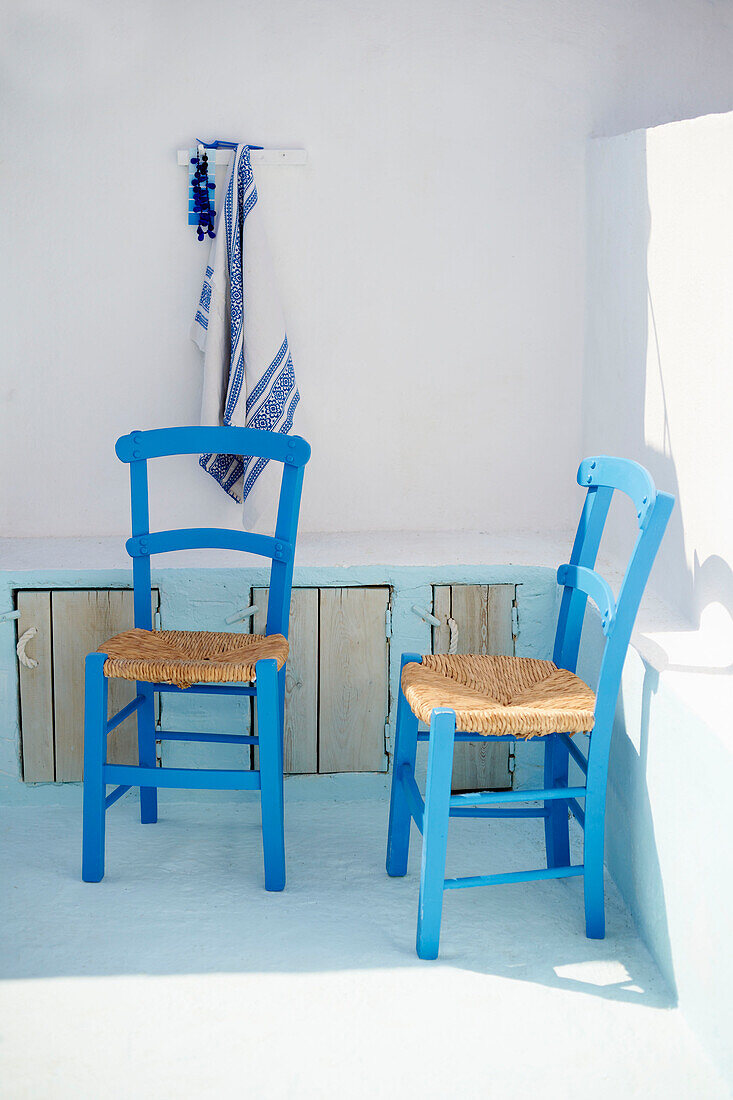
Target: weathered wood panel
{"type": "Point", "coordinates": [36, 689]}
{"type": "Point", "coordinates": [483, 614]}
{"type": "Point", "coordinates": [353, 681]}
{"type": "Point", "coordinates": [442, 611]}
{"type": "Point", "coordinates": [82, 620]}
{"type": "Point", "coordinates": [301, 679]}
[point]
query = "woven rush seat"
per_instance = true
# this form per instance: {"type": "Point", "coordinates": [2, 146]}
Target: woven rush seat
{"type": "Point", "coordinates": [515, 696]}
{"type": "Point", "coordinates": [186, 657]}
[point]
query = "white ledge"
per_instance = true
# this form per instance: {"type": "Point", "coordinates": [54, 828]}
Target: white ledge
{"type": "Point", "coordinates": [319, 550]}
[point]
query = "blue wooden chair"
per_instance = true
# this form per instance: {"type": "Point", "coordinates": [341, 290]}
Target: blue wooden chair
{"type": "Point", "coordinates": [195, 661]}
{"type": "Point", "coordinates": [508, 698]}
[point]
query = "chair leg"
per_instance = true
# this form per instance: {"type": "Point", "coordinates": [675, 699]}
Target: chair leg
{"type": "Point", "coordinates": [281, 704]}
{"type": "Point", "coordinates": [593, 845]}
{"type": "Point", "coordinates": [95, 755]}
{"type": "Point", "coordinates": [146, 752]}
{"type": "Point", "coordinates": [557, 826]}
{"type": "Point", "coordinates": [400, 818]}
{"type": "Point", "coordinates": [270, 735]}
{"type": "Point", "coordinates": [435, 831]}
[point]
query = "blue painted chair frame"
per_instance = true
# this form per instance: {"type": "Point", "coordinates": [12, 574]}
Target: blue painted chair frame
{"type": "Point", "coordinates": [269, 686]}
{"type": "Point", "coordinates": [601, 476]}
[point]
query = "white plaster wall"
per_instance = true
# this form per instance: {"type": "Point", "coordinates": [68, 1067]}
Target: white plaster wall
{"type": "Point", "coordinates": [431, 254]}
{"type": "Point", "coordinates": [658, 381]}
{"type": "Point", "coordinates": [668, 826]}
{"type": "Point", "coordinates": [658, 387]}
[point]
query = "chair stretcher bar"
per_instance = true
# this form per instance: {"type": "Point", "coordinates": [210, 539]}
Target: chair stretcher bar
{"type": "Point", "coordinates": [187, 778]}
{"type": "Point", "coordinates": [512, 876]}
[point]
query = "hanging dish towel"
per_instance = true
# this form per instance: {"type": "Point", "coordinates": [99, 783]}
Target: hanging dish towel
{"type": "Point", "coordinates": [249, 380]}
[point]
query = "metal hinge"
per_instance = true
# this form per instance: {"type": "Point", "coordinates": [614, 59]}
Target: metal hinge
{"type": "Point", "coordinates": [156, 620]}
{"type": "Point", "coordinates": [388, 623]}
{"type": "Point", "coordinates": [515, 620]}
{"type": "Point", "coordinates": [512, 761]}
{"type": "Point", "coordinates": [387, 738]}
{"type": "Point", "coordinates": [158, 753]}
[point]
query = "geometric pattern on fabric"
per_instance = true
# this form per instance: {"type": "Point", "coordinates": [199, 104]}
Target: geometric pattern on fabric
{"type": "Point", "coordinates": [186, 657]}
{"type": "Point", "coordinates": [504, 696]}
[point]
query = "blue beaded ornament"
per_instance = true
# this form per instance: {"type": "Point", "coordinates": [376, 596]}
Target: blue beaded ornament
{"type": "Point", "coordinates": [202, 195]}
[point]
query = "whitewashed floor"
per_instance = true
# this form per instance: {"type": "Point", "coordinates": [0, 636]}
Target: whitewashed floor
{"type": "Point", "coordinates": [178, 976]}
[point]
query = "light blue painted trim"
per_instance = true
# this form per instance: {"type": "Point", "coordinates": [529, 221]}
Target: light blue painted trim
{"type": "Point", "coordinates": [538, 581]}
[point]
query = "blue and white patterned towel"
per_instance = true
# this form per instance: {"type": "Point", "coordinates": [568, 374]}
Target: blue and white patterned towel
{"type": "Point", "coordinates": [249, 380]}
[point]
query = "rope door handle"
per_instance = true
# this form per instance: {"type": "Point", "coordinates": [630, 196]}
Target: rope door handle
{"type": "Point", "coordinates": [453, 642]}
{"type": "Point", "coordinates": [25, 660]}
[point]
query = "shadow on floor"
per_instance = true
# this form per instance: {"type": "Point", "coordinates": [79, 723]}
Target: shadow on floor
{"type": "Point", "coordinates": [187, 896]}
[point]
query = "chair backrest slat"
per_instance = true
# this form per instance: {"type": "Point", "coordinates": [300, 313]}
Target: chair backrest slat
{"type": "Point", "coordinates": [581, 579]}
{"type": "Point", "coordinates": [292, 451]}
{"type": "Point", "coordinates": [584, 553]}
{"type": "Point", "coordinates": [165, 442]}
{"type": "Point", "coordinates": [209, 538]}
{"type": "Point", "coordinates": [620, 473]}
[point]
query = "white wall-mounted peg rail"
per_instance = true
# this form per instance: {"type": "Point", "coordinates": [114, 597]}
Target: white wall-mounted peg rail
{"type": "Point", "coordinates": [256, 156]}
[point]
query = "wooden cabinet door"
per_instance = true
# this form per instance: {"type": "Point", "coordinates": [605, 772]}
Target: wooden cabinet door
{"type": "Point", "coordinates": [36, 689]}
{"type": "Point", "coordinates": [353, 680]}
{"type": "Point", "coordinates": [71, 623]}
{"type": "Point", "coordinates": [82, 620]}
{"type": "Point", "coordinates": [336, 686]}
{"type": "Point", "coordinates": [483, 617]}
{"type": "Point", "coordinates": [301, 678]}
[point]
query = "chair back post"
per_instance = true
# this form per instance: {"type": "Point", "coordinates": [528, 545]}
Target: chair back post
{"type": "Point", "coordinates": [619, 637]}
{"type": "Point", "coordinates": [584, 554]}
{"type": "Point", "coordinates": [602, 475]}
{"type": "Point", "coordinates": [281, 572]}
{"type": "Point", "coordinates": [141, 578]}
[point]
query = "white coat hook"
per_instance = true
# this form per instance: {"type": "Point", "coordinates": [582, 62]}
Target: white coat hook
{"type": "Point", "coordinates": [425, 615]}
{"type": "Point", "coordinates": [25, 660]}
{"type": "Point", "coordinates": [246, 613]}
{"type": "Point", "coordinates": [269, 157]}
